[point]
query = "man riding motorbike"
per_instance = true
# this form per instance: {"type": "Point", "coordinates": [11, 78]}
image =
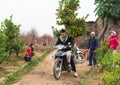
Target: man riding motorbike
{"type": "Point", "coordinates": [64, 39]}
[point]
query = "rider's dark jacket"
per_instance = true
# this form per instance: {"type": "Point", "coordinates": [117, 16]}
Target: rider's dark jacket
{"type": "Point", "coordinates": [69, 40]}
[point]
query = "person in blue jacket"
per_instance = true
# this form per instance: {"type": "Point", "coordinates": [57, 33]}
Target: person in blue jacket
{"type": "Point", "coordinates": [92, 46]}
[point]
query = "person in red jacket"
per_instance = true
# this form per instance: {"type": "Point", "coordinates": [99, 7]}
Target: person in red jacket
{"type": "Point", "coordinates": [113, 41]}
{"type": "Point", "coordinates": [29, 53]}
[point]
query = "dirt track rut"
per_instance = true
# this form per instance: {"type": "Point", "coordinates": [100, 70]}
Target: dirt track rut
{"type": "Point", "coordinates": [41, 74]}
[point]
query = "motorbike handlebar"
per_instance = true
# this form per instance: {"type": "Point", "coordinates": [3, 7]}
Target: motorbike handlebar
{"type": "Point", "coordinates": [60, 47]}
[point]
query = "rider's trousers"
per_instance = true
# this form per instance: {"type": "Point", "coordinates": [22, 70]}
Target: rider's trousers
{"type": "Point", "coordinates": [69, 54]}
{"type": "Point", "coordinates": [71, 60]}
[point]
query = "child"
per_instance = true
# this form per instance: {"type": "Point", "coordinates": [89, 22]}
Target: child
{"type": "Point", "coordinates": [29, 53]}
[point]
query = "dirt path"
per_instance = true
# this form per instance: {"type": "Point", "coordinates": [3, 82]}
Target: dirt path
{"type": "Point", "coordinates": [41, 75]}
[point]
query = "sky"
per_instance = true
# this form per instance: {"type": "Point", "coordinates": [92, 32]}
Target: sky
{"type": "Point", "coordinates": [39, 14]}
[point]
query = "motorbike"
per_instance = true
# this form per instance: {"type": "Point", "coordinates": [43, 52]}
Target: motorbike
{"type": "Point", "coordinates": [79, 56]}
{"type": "Point", "coordinates": [61, 62]}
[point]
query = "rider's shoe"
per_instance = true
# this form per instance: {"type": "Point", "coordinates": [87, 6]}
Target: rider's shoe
{"type": "Point", "coordinates": [52, 73]}
{"type": "Point", "coordinates": [75, 74]}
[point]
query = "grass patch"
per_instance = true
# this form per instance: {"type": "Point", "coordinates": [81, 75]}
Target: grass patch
{"type": "Point", "coordinates": [87, 75]}
{"type": "Point", "coordinates": [12, 78]}
{"type": "Point", "coordinates": [13, 61]}
{"type": "Point", "coordinates": [85, 82]}
{"type": "Point", "coordinates": [2, 69]}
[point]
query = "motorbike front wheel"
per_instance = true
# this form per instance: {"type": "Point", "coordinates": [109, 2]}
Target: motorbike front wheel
{"type": "Point", "coordinates": [57, 70]}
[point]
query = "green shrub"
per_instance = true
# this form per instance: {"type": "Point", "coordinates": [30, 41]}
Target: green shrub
{"type": "Point", "coordinates": [3, 55]}
{"type": "Point", "coordinates": [111, 74]}
{"type": "Point", "coordinates": [10, 42]}
{"type": "Point", "coordinates": [110, 63]}
{"type": "Point", "coordinates": [101, 51]}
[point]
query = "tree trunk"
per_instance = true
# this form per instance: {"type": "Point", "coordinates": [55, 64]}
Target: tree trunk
{"type": "Point", "coordinates": [101, 36]}
{"type": "Point", "coordinates": [76, 41]}
{"type": "Point", "coordinates": [17, 53]}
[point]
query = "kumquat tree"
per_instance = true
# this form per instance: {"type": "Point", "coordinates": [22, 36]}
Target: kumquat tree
{"type": "Point", "coordinates": [68, 17]}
